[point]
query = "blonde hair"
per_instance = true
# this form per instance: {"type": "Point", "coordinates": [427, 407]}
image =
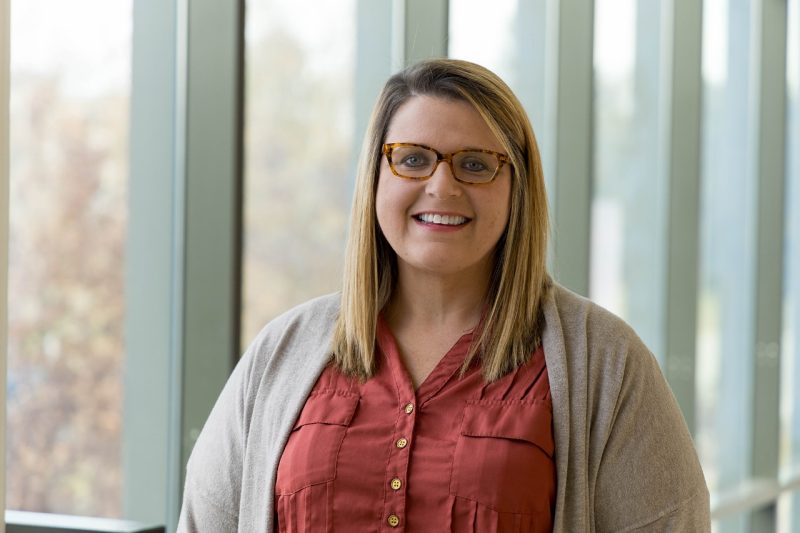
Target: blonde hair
{"type": "Point", "coordinates": [512, 322]}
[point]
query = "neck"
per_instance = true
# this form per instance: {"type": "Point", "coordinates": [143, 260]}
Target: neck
{"type": "Point", "coordinates": [449, 302]}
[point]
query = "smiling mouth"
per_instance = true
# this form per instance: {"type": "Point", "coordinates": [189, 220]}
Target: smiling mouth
{"type": "Point", "coordinates": [442, 220]}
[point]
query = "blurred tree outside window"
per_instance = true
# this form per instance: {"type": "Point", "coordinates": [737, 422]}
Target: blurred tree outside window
{"type": "Point", "coordinates": [70, 69]}
{"type": "Point", "coordinates": [299, 122]}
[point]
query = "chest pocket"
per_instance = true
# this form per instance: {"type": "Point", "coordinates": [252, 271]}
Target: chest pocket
{"type": "Point", "coordinates": [504, 456]}
{"type": "Point", "coordinates": [311, 453]}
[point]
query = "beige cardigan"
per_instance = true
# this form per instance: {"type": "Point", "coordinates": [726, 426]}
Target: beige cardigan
{"type": "Point", "coordinates": [625, 460]}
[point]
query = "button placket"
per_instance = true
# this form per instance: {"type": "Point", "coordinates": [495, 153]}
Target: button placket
{"type": "Point", "coordinates": [397, 467]}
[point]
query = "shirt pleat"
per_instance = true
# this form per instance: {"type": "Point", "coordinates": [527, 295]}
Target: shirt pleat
{"type": "Point", "coordinates": [451, 523]}
{"type": "Point", "coordinates": [297, 527]}
{"type": "Point", "coordinates": [280, 510]}
{"type": "Point", "coordinates": [329, 507]}
{"type": "Point", "coordinates": [316, 517]}
{"type": "Point", "coordinates": [518, 523]}
{"type": "Point", "coordinates": [510, 386]}
{"type": "Point", "coordinates": [533, 383]}
{"type": "Point", "coordinates": [529, 524]}
{"type": "Point", "coordinates": [305, 510]}
{"type": "Point", "coordinates": [288, 511]}
{"type": "Point", "coordinates": [473, 516]}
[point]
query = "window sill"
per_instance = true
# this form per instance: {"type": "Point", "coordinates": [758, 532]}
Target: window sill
{"type": "Point", "coordinates": [25, 522]}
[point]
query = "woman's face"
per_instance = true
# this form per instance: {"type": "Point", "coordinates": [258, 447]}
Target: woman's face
{"type": "Point", "coordinates": [476, 215]}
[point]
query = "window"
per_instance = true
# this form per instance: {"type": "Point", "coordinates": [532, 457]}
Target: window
{"type": "Point", "coordinates": [726, 305]}
{"type": "Point", "coordinates": [68, 177]}
{"type": "Point", "coordinates": [628, 201]}
{"type": "Point", "coordinates": [516, 51]}
{"type": "Point", "coordinates": [790, 360]}
{"type": "Point", "coordinates": [498, 20]}
{"type": "Point", "coordinates": [299, 153]}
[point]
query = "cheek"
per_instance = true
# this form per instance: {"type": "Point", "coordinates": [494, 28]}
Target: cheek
{"type": "Point", "coordinates": [506, 213]}
{"type": "Point", "coordinates": [500, 207]}
{"type": "Point", "coordinates": [384, 200]}
{"type": "Point", "coordinates": [507, 204]}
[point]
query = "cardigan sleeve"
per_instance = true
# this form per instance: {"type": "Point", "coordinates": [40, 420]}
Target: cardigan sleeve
{"type": "Point", "coordinates": [649, 477]}
{"type": "Point", "coordinates": [213, 483]}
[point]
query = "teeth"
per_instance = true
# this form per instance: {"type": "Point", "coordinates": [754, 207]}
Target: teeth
{"type": "Point", "coordinates": [446, 220]}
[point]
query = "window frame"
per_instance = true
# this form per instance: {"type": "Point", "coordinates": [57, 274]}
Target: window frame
{"type": "Point", "coordinates": [5, 46]}
{"type": "Point", "coordinates": [184, 241]}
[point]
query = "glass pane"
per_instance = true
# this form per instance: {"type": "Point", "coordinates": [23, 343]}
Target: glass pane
{"type": "Point", "coordinates": [790, 360]}
{"type": "Point", "coordinates": [68, 177]}
{"type": "Point", "coordinates": [299, 152]}
{"type": "Point", "coordinates": [785, 505]}
{"type": "Point", "coordinates": [727, 252]}
{"type": "Point", "coordinates": [493, 19]}
{"type": "Point", "coordinates": [515, 51]}
{"type": "Point", "coordinates": [628, 248]}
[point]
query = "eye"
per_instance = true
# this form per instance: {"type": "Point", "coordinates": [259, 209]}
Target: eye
{"type": "Point", "coordinates": [474, 164]}
{"type": "Point", "coordinates": [413, 160]}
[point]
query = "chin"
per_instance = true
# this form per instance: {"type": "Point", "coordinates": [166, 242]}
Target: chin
{"type": "Point", "coordinates": [446, 266]}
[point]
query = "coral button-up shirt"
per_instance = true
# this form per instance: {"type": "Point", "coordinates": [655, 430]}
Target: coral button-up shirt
{"type": "Point", "coordinates": [457, 454]}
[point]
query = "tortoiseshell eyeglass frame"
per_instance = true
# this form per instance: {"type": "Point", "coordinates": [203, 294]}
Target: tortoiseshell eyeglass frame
{"type": "Point", "coordinates": [448, 158]}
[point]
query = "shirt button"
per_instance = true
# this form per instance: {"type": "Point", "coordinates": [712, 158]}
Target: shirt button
{"type": "Point", "coordinates": [393, 520]}
{"type": "Point", "coordinates": [409, 408]}
{"type": "Point", "coordinates": [396, 483]}
{"type": "Point", "coordinates": [401, 443]}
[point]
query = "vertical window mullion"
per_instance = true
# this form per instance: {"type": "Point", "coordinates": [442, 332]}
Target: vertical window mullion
{"type": "Point", "coordinates": [374, 27]}
{"type": "Point", "coordinates": [572, 165]}
{"type": "Point", "coordinates": [643, 191]}
{"type": "Point", "coordinates": [213, 208]}
{"type": "Point", "coordinates": [768, 159]}
{"type": "Point", "coordinates": [683, 28]}
{"type": "Point", "coordinates": [154, 264]}
{"type": "Point", "coordinates": [426, 25]}
{"type": "Point", "coordinates": [790, 347]}
{"type": "Point", "coordinates": [535, 41]}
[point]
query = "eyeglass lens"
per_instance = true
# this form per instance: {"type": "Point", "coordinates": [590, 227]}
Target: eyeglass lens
{"type": "Point", "coordinates": [418, 162]}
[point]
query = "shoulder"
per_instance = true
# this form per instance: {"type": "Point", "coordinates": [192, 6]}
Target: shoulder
{"type": "Point", "coordinates": [588, 343]}
{"type": "Point", "coordinates": [579, 316]}
{"type": "Point", "coordinates": [586, 330]}
{"type": "Point", "coordinates": [310, 321]}
{"type": "Point", "coordinates": [319, 312]}
{"type": "Point", "coordinates": [297, 338]}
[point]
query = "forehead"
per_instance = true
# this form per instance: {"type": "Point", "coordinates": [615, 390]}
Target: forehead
{"type": "Point", "coordinates": [441, 123]}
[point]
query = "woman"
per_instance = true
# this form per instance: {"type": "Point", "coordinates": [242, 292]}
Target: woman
{"type": "Point", "coordinates": [451, 386]}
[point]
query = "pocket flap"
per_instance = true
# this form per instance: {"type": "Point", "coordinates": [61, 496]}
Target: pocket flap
{"type": "Point", "coordinates": [328, 408]}
{"type": "Point", "coordinates": [530, 421]}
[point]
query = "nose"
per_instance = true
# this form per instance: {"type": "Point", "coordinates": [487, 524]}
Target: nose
{"type": "Point", "coordinates": [442, 184]}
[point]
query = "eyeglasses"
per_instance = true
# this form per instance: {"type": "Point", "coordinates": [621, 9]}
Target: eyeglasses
{"type": "Point", "coordinates": [419, 162]}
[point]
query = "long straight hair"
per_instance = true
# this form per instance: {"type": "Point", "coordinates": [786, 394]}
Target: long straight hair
{"type": "Point", "coordinates": [512, 322]}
